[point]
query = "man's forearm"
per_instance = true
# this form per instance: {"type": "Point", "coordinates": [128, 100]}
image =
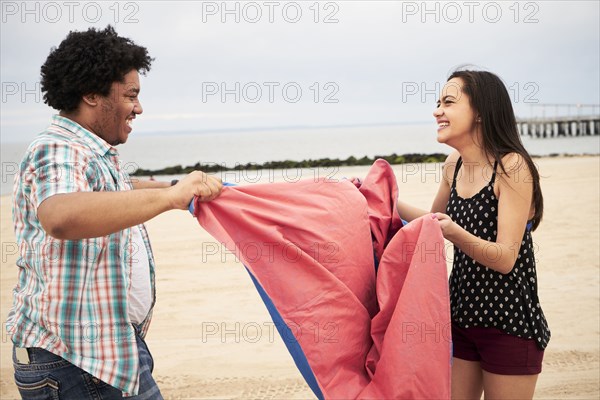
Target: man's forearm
{"type": "Point", "coordinates": [81, 215]}
{"type": "Point", "coordinates": [147, 184]}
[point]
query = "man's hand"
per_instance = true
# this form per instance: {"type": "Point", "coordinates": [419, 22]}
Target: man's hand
{"type": "Point", "coordinates": [197, 183]}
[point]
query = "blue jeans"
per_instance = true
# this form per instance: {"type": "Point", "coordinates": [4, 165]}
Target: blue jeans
{"type": "Point", "coordinates": [50, 377]}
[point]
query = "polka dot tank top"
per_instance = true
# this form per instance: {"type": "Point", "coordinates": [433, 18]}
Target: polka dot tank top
{"type": "Point", "coordinates": [482, 297]}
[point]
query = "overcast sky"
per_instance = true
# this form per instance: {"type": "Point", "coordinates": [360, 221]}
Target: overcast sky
{"type": "Point", "coordinates": [279, 63]}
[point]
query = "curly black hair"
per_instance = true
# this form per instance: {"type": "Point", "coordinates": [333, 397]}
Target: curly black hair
{"type": "Point", "coordinates": [89, 62]}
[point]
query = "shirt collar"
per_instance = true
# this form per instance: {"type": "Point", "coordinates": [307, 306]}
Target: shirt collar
{"type": "Point", "coordinates": [95, 142]}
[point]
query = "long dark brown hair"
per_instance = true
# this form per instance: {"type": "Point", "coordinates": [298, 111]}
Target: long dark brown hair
{"type": "Point", "coordinates": [491, 102]}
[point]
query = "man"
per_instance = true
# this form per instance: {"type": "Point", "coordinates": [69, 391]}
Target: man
{"type": "Point", "coordinates": [85, 292]}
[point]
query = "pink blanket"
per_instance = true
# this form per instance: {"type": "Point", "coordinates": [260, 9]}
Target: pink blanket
{"type": "Point", "coordinates": [360, 301]}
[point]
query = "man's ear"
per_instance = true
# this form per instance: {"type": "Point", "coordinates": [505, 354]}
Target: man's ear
{"type": "Point", "coordinates": [91, 99]}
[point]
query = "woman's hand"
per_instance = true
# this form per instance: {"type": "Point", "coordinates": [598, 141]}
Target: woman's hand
{"type": "Point", "coordinates": [449, 227]}
{"type": "Point", "coordinates": [356, 181]}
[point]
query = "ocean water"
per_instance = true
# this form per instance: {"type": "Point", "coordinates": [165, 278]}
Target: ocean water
{"type": "Point", "coordinates": [154, 151]}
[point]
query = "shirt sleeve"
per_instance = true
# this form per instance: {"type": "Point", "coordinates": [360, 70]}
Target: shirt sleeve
{"type": "Point", "coordinates": [57, 168]}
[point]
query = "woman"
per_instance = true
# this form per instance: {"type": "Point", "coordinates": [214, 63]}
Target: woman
{"type": "Point", "coordinates": [488, 203]}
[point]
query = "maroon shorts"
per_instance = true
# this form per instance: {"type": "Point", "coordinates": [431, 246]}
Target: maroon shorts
{"type": "Point", "coordinates": [497, 351]}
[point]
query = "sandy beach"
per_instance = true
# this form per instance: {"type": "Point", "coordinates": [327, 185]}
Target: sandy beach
{"type": "Point", "coordinates": [211, 336]}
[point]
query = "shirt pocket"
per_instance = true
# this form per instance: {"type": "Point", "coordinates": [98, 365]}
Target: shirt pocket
{"type": "Point", "coordinates": [103, 177]}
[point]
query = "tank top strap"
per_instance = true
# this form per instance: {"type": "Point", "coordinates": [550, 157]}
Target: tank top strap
{"type": "Point", "coordinates": [493, 178]}
{"type": "Point", "coordinates": [458, 164]}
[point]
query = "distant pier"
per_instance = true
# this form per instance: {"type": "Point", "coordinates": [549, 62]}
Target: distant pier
{"type": "Point", "coordinates": [563, 122]}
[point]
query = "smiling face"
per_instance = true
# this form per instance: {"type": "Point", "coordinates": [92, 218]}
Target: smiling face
{"type": "Point", "coordinates": [454, 115]}
{"type": "Point", "coordinates": [116, 112]}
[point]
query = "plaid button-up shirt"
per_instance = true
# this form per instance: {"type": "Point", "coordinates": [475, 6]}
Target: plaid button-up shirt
{"type": "Point", "coordinates": [71, 295]}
